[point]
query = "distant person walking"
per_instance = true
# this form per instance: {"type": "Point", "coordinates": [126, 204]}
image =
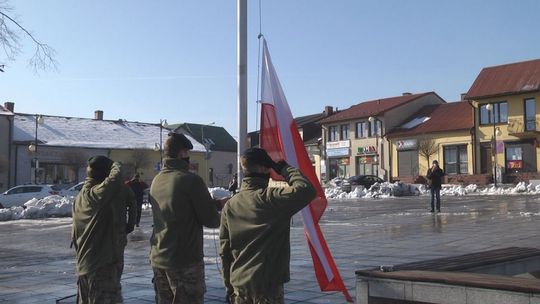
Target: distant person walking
{"type": "Point", "coordinates": [255, 230]}
{"type": "Point", "coordinates": [93, 233]}
{"type": "Point", "coordinates": [434, 176]}
{"type": "Point", "coordinates": [181, 206]}
{"type": "Point", "coordinates": [233, 184]}
{"type": "Point", "coordinates": [138, 187]}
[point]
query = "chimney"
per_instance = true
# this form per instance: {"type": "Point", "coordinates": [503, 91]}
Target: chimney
{"type": "Point", "coordinates": [463, 95]}
{"type": "Point", "coordinates": [328, 110]}
{"type": "Point", "coordinates": [10, 106]}
{"type": "Point", "coordinates": [407, 94]}
{"type": "Point", "coordinates": [98, 115]}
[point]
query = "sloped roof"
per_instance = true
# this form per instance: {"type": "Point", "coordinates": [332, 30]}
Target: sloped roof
{"type": "Point", "coordinates": [452, 116]}
{"type": "Point", "coordinates": [373, 107]}
{"type": "Point", "coordinates": [223, 141]}
{"type": "Point", "coordinates": [507, 79]}
{"type": "Point", "coordinates": [90, 133]}
{"type": "Point", "coordinates": [4, 111]}
{"type": "Point", "coordinates": [304, 120]}
{"type": "Point", "coordinates": [301, 121]}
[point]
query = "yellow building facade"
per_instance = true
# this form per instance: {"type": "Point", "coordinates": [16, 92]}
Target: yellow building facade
{"type": "Point", "coordinates": [506, 121]}
{"type": "Point", "coordinates": [444, 143]}
{"type": "Point", "coordinates": [147, 163]}
{"type": "Point", "coordinates": [514, 130]}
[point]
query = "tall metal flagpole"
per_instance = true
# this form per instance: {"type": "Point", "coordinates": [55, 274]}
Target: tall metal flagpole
{"type": "Point", "coordinates": [241, 56]}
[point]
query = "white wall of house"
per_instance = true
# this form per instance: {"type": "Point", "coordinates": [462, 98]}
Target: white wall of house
{"type": "Point", "coordinates": [220, 162]}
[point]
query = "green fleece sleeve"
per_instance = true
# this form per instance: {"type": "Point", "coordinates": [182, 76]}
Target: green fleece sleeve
{"type": "Point", "coordinates": [225, 252]}
{"type": "Point", "coordinates": [203, 204]}
{"type": "Point", "coordinates": [112, 184]}
{"type": "Point", "coordinates": [296, 196]}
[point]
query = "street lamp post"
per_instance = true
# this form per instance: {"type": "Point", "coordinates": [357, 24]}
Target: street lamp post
{"type": "Point", "coordinates": [373, 120]}
{"type": "Point", "coordinates": [162, 124]}
{"type": "Point", "coordinates": [206, 147]}
{"type": "Point", "coordinates": [33, 147]}
{"type": "Point", "coordinates": [496, 131]}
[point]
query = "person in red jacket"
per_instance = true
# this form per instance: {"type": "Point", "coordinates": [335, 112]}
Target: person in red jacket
{"type": "Point", "coordinates": [138, 186]}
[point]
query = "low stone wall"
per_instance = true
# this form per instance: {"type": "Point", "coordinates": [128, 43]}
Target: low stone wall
{"type": "Point", "coordinates": [515, 178]}
{"type": "Point", "coordinates": [457, 179]}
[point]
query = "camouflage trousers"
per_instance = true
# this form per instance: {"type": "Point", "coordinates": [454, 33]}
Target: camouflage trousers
{"type": "Point", "coordinates": [276, 297]}
{"type": "Point", "coordinates": [184, 286]}
{"type": "Point", "coordinates": [98, 287]}
{"type": "Point", "coordinates": [121, 245]}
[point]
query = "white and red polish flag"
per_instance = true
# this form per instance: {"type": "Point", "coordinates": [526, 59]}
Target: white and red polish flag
{"type": "Point", "coordinates": [280, 138]}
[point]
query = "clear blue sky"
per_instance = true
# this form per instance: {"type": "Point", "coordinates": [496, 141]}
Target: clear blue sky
{"type": "Point", "coordinates": [146, 60]}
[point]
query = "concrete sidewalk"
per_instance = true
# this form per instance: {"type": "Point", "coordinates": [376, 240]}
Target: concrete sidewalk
{"type": "Point", "coordinates": [37, 265]}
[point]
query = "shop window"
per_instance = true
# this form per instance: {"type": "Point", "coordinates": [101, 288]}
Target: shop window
{"type": "Point", "coordinates": [455, 159]}
{"type": "Point", "coordinates": [514, 158]}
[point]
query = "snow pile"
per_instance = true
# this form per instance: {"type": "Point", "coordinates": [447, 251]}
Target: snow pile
{"type": "Point", "coordinates": [50, 206]}
{"type": "Point", "coordinates": [377, 190]}
{"type": "Point", "coordinates": [400, 189]}
{"type": "Point", "coordinates": [520, 188]}
{"type": "Point", "coordinates": [219, 193]}
{"type": "Point", "coordinates": [216, 193]}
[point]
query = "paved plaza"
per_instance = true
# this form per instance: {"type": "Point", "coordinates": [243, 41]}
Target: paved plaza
{"type": "Point", "coordinates": [37, 265]}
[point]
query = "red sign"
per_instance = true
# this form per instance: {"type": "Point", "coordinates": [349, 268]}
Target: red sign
{"type": "Point", "coordinates": [514, 164]}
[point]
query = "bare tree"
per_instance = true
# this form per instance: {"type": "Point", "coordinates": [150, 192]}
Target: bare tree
{"type": "Point", "coordinates": [76, 159]}
{"type": "Point", "coordinates": [139, 159]}
{"type": "Point", "coordinates": [43, 58]}
{"type": "Point", "coordinates": [427, 147]}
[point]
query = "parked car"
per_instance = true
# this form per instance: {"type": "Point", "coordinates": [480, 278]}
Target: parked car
{"type": "Point", "coordinates": [360, 180]}
{"type": "Point", "coordinates": [19, 195]}
{"type": "Point", "coordinates": [73, 190]}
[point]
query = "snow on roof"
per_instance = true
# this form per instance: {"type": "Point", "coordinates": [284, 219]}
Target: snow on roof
{"type": "Point", "coordinates": [415, 122]}
{"type": "Point", "coordinates": [91, 133]}
{"type": "Point", "coordinates": [4, 111]}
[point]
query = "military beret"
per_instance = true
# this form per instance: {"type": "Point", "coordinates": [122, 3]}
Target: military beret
{"type": "Point", "coordinates": [100, 163]}
{"type": "Point", "coordinates": [182, 140]}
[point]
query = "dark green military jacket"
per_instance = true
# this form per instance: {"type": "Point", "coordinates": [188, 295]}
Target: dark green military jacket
{"type": "Point", "coordinates": [181, 206]}
{"type": "Point", "coordinates": [125, 212]}
{"type": "Point", "coordinates": [93, 234]}
{"type": "Point", "coordinates": [254, 234]}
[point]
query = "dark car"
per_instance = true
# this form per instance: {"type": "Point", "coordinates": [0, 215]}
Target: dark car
{"type": "Point", "coordinates": [359, 180]}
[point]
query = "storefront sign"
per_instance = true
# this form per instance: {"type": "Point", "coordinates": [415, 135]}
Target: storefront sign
{"type": "Point", "coordinates": [514, 164]}
{"type": "Point", "coordinates": [338, 144]}
{"type": "Point", "coordinates": [407, 144]}
{"type": "Point", "coordinates": [337, 152]}
{"type": "Point", "coordinates": [344, 161]}
{"type": "Point", "coordinates": [367, 150]}
{"type": "Point", "coordinates": [368, 160]}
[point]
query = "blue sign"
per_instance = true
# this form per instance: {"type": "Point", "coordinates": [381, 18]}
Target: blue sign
{"type": "Point", "coordinates": [337, 152]}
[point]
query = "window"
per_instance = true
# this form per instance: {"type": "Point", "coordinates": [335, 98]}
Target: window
{"type": "Point", "coordinates": [333, 133]}
{"type": "Point", "coordinates": [499, 111]}
{"type": "Point", "coordinates": [514, 158]}
{"type": "Point", "coordinates": [455, 159]}
{"type": "Point", "coordinates": [344, 132]}
{"type": "Point", "coordinates": [530, 114]}
{"type": "Point", "coordinates": [375, 128]}
{"type": "Point", "coordinates": [361, 129]}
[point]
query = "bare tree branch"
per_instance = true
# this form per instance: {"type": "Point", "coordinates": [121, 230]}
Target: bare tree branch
{"type": "Point", "coordinates": [427, 147]}
{"type": "Point", "coordinates": [44, 55]}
